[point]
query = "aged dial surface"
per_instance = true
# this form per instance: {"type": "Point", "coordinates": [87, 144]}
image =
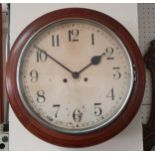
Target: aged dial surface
{"type": "Point", "coordinates": [74, 76]}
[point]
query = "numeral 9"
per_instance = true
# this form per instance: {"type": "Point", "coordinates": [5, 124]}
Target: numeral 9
{"type": "Point", "coordinates": [33, 76]}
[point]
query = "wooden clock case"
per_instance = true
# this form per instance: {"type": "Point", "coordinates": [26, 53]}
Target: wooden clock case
{"type": "Point", "coordinates": [86, 139]}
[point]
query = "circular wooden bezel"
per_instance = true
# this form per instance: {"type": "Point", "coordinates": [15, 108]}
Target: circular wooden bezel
{"type": "Point", "coordinates": [85, 139]}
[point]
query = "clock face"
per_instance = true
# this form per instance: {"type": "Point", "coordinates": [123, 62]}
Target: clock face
{"type": "Point", "coordinates": [74, 76]}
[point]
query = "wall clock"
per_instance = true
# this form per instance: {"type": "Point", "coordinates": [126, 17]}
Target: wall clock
{"type": "Point", "coordinates": [75, 77]}
{"type": "Point", "coordinates": [1, 69]}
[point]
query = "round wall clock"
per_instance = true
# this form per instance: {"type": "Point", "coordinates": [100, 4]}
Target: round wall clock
{"type": "Point", "coordinates": [75, 77]}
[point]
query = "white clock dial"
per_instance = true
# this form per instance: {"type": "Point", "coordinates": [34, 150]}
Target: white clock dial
{"type": "Point", "coordinates": [75, 76]}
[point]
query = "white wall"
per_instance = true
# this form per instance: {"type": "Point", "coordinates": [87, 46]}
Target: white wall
{"type": "Point", "coordinates": [21, 16]}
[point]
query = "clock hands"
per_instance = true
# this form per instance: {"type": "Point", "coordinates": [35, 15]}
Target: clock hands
{"type": "Point", "coordinates": [95, 60]}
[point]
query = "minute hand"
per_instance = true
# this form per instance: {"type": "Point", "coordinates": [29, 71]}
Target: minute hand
{"type": "Point", "coordinates": [95, 60]}
{"type": "Point", "coordinates": [56, 61]}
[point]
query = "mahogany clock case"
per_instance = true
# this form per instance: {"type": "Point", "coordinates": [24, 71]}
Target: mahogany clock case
{"type": "Point", "coordinates": [85, 139]}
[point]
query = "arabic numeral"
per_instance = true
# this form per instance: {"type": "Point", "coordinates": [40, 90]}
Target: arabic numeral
{"type": "Point", "coordinates": [41, 96]}
{"type": "Point", "coordinates": [92, 39]}
{"type": "Point", "coordinates": [117, 75]}
{"type": "Point", "coordinates": [109, 53]}
{"type": "Point", "coordinates": [97, 109]}
{"type": "Point", "coordinates": [41, 56]}
{"type": "Point", "coordinates": [111, 94]}
{"type": "Point", "coordinates": [73, 35]}
{"type": "Point", "coordinates": [33, 76]}
{"type": "Point", "coordinates": [57, 108]}
{"type": "Point", "coordinates": [77, 115]}
{"type": "Point", "coordinates": [55, 40]}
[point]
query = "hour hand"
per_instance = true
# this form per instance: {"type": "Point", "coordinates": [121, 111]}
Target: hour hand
{"type": "Point", "coordinates": [95, 60]}
{"type": "Point", "coordinates": [52, 58]}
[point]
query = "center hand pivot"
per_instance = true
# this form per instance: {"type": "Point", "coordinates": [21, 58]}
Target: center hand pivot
{"type": "Point", "coordinates": [95, 60]}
